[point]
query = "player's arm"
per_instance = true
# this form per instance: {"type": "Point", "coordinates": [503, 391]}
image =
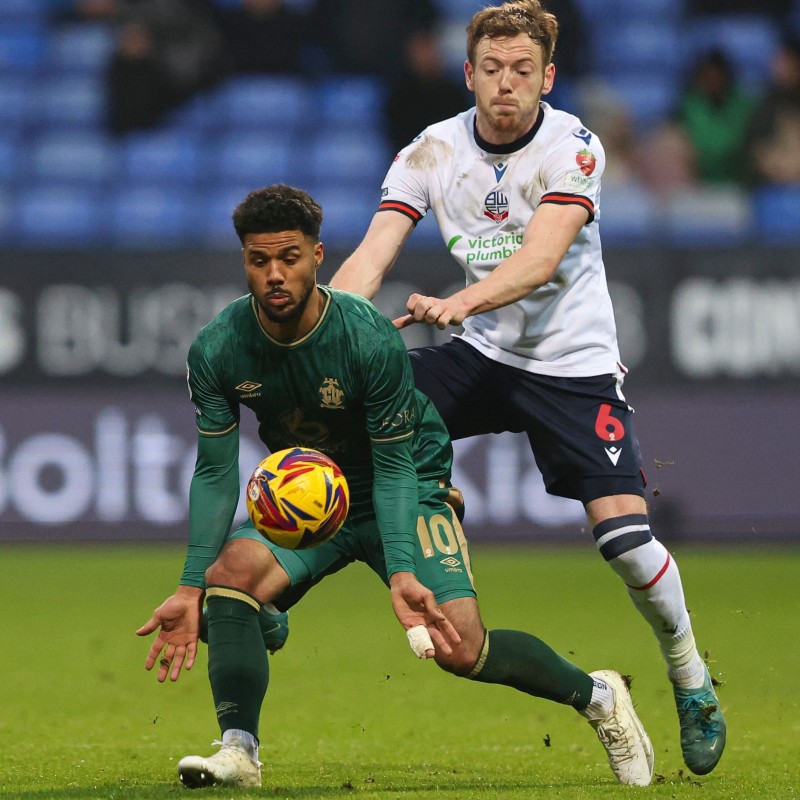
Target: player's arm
{"type": "Point", "coordinates": [364, 271]}
{"type": "Point", "coordinates": [549, 234]}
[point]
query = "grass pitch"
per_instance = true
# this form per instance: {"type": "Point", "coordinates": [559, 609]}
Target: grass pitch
{"type": "Point", "coordinates": [350, 712]}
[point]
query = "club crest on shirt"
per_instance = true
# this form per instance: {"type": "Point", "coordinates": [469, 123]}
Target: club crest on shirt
{"type": "Point", "coordinates": [331, 394]}
{"type": "Point", "coordinates": [495, 206]}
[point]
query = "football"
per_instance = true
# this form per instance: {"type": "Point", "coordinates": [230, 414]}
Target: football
{"type": "Point", "coordinates": [297, 498]}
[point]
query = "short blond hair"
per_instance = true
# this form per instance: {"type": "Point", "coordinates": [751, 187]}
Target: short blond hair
{"type": "Point", "coordinates": [510, 19]}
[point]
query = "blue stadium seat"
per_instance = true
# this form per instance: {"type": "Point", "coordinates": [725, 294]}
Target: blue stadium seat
{"type": "Point", "coordinates": [80, 47]}
{"type": "Point", "coordinates": [22, 46]}
{"type": "Point", "coordinates": [254, 101]}
{"type": "Point", "coordinates": [628, 214]}
{"type": "Point", "coordinates": [355, 157]}
{"type": "Point", "coordinates": [64, 100]}
{"type": "Point", "coordinates": [214, 226]}
{"type": "Point", "coordinates": [777, 213]}
{"type": "Point", "coordinates": [12, 151]}
{"type": "Point", "coordinates": [153, 216]}
{"type": "Point", "coordinates": [24, 11]}
{"type": "Point", "coordinates": [160, 157]}
{"type": "Point", "coordinates": [649, 97]}
{"type": "Point", "coordinates": [749, 41]}
{"type": "Point", "coordinates": [7, 230]}
{"type": "Point", "coordinates": [255, 158]}
{"type": "Point", "coordinates": [17, 109]}
{"type": "Point", "coordinates": [57, 215]}
{"type": "Point", "coordinates": [346, 213]}
{"type": "Point", "coordinates": [708, 217]}
{"type": "Point", "coordinates": [632, 45]}
{"type": "Point", "coordinates": [73, 155]}
{"type": "Point", "coordinates": [355, 100]}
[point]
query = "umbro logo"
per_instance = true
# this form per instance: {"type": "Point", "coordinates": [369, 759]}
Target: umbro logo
{"type": "Point", "coordinates": [450, 561]}
{"type": "Point", "coordinates": [248, 386]}
{"type": "Point", "coordinates": [613, 454]}
{"type": "Point", "coordinates": [226, 707]}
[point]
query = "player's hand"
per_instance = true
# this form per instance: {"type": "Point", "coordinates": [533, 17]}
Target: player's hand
{"type": "Point", "coordinates": [414, 605]}
{"type": "Point", "coordinates": [437, 311]}
{"type": "Point", "coordinates": [178, 618]}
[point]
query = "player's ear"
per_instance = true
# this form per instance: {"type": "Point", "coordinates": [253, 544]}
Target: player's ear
{"type": "Point", "coordinates": [549, 78]}
{"type": "Point", "coordinates": [469, 75]}
{"type": "Point", "coordinates": [319, 254]}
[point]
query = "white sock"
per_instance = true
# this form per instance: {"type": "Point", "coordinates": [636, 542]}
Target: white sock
{"type": "Point", "coordinates": [602, 702]}
{"type": "Point", "coordinates": [246, 739]}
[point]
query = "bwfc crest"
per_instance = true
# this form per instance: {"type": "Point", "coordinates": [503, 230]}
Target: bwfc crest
{"type": "Point", "coordinates": [332, 396]}
{"type": "Point", "coordinates": [495, 206]}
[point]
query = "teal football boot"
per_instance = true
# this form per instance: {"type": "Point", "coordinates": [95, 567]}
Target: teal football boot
{"type": "Point", "coordinates": [703, 727]}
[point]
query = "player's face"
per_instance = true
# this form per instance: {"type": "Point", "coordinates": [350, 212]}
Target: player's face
{"type": "Point", "coordinates": [508, 79]}
{"type": "Point", "coordinates": [281, 270]}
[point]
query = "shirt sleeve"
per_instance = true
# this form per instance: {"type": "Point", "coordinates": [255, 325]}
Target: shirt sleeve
{"type": "Point", "coordinates": [573, 169]}
{"type": "Point", "coordinates": [405, 190]}
{"type": "Point", "coordinates": [390, 402]}
{"type": "Point", "coordinates": [214, 413]}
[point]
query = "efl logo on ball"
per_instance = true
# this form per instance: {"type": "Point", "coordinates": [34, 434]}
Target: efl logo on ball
{"type": "Point", "coordinates": [297, 498]}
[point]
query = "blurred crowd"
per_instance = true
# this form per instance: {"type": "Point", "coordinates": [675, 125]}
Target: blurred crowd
{"type": "Point", "coordinates": [720, 132]}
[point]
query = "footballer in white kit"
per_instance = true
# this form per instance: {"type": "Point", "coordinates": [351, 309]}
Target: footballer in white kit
{"type": "Point", "coordinates": [564, 329]}
{"type": "Point", "coordinates": [514, 185]}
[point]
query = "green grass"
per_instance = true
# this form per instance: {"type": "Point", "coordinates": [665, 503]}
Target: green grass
{"type": "Point", "coordinates": [351, 712]}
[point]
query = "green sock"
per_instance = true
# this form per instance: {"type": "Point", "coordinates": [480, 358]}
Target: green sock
{"type": "Point", "coordinates": [238, 667]}
{"type": "Point", "coordinates": [519, 660]}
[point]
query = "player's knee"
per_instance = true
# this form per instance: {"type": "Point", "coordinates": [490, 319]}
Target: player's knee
{"type": "Point", "coordinates": [233, 569]}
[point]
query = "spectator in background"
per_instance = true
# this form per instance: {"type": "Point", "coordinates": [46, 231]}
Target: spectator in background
{"type": "Point", "coordinates": [353, 36]}
{"type": "Point", "coordinates": [421, 94]}
{"type": "Point", "coordinates": [571, 57]}
{"type": "Point", "coordinates": [715, 112]}
{"type": "Point", "coordinates": [167, 50]}
{"type": "Point", "coordinates": [264, 36]}
{"type": "Point", "coordinates": [773, 142]}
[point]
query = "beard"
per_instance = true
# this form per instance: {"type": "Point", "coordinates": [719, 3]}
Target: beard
{"type": "Point", "coordinates": [292, 312]}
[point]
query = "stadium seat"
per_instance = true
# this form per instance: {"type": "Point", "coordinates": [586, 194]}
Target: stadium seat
{"type": "Point", "coordinates": [11, 157]}
{"type": "Point", "coordinates": [346, 213]}
{"type": "Point", "coordinates": [73, 155]}
{"type": "Point", "coordinates": [707, 217]}
{"type": "Point", "coordinates": [80, 47]}
{"type": "Point", "coordinates": [214, 228]}
{"type": "Point", "coordinates": [160, 157]}
{"type": "Point", "coordinates": [283, 103]}
{"type": "Point", "coordinates": [22, 46]}
{"type": "Point", "coordinates": [17, 109]}
{"type": "Point", "coordinates": [350, 156]}
{"type": "Point", "coordinates": [57, 215]}
{"type": "Point", "coordinates": [777, 213]}
{"type": "Point", "coordinates": [70, 100]}
{"type": "Point", "coordinates": [7, 232]}
{"type": "Point", "coordinates": [634, 45]}
{"type": "Point", "coordinates": [24, 11]}
{"type": "Point", "coordinates": [749, 41]}
{"type": "Point", "coordinates": [649, 97]}
{"type": "Point", "coordinates": [628, 214]}
{"type": "Point", "coordinates": [153, 216]}
{"type": "Point", "coordinates": [355, 100]}
{"type": "Point", "coordinates": [255, 158]}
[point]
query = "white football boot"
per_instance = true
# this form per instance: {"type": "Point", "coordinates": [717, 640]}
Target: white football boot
{"type": "Point", "coordinates": [231, 766]}
{"type": "Point", "coordinates": [628, 746]}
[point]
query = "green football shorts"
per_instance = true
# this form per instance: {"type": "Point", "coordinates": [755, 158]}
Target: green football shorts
{"type": "Point", "coordinates": [442, 556]}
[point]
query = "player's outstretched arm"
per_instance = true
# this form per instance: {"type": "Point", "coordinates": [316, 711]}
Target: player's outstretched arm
{"type": "Point", "coordinates": [364, 270]}
{"type": "Point", "coordinates": [415, 606]}
{"type": "Point", "coordinates": [178, 618]}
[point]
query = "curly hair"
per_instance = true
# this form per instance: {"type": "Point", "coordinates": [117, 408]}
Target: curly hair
{"type": "Point", "coordinates": [511, 19]}
{"type": "Point", "coordinates": [278, 208]}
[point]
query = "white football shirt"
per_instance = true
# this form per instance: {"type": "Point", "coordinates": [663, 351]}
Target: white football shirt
{"type": "Point", "coordinates": [483, 196]}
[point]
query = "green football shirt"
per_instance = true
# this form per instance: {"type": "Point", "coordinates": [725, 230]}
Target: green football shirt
{"type": "Point", "coordinates": [345, 388]}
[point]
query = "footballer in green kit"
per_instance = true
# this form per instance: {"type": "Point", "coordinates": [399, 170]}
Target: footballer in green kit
{"type": "Point", "coordinates": [324, 369]}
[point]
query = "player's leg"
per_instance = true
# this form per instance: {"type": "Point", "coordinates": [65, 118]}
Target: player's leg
{"type": "Point", "coordinates": [622, 532]}
{"type": "Point", "coordinates": [274, 626]}
{"type": "Point", "coordinates": [246, 576]}
{"type": "Point", "coordinates": [518, 659]}
{"type": "Point", "coordinates": [581, 432]}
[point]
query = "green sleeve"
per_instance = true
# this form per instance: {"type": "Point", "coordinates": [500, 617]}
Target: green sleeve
{"type": "Point", "coordinates": [213, 496]}
{"type": "Point", "coordinates": [395, 497]}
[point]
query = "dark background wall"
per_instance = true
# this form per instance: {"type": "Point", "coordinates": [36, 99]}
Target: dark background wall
{"type": "Point", "coordinates": [97, 432]}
